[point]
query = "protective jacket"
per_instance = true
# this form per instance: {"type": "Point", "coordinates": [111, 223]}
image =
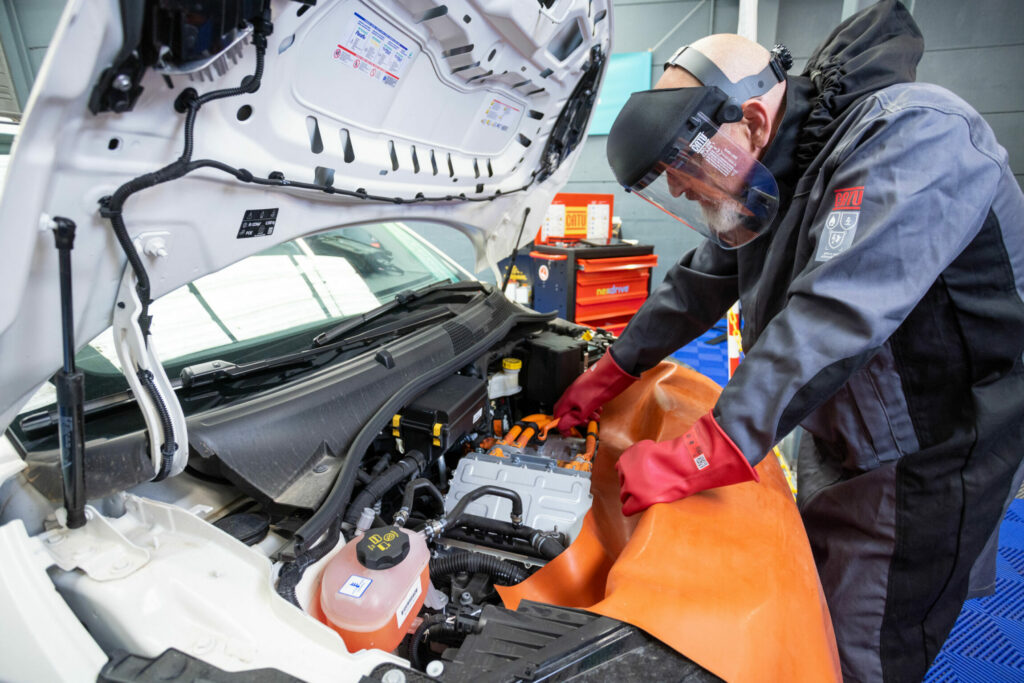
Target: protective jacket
{"type": "Point", "coordinates": [884, 313]}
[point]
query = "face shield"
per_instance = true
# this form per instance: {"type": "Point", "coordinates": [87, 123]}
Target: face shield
{"type": "Point", "coordinates": [667, 147]}
{"type": "Point", "coordinates": [692, 170]}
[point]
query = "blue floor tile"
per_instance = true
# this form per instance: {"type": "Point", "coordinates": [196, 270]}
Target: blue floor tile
{"type": "Point", "coordinates": [987, 642]}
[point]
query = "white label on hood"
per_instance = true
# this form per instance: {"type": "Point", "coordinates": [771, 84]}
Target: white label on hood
{"type": "Point", "coordinates": [499, 115]}
{"type": "Point", "coordinates": [372, 48]}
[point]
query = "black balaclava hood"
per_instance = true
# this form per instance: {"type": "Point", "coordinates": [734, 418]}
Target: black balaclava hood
{"type": "Point", "coordinates": [873, 49]}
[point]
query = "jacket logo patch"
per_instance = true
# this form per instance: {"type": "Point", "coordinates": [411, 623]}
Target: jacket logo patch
{"type": "Point", "coordinates": [849, 199]}
{"type": "Point", "coordinates": [837, 237]}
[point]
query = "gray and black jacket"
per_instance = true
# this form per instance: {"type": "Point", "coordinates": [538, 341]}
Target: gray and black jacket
{"type": "Point", "coordinates": [883, 312]}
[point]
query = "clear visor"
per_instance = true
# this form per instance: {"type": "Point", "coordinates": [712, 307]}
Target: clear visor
{"type": "Point", "coordinates": [714, 187]}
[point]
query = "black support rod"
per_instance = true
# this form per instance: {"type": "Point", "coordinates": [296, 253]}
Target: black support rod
{"type": "Point", "coordinates": [70, 388]}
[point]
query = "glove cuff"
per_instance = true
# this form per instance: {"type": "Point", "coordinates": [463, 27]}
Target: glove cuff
{"type": "Point", "coordinates": [707, 436]}
{"type": "Point", "coordinates": [617, 380]}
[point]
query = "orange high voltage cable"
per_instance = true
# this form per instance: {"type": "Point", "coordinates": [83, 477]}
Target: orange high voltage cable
{"type": "Point", "coordinates": [511, 436]}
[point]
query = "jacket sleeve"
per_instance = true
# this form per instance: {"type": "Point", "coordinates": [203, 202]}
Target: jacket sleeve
{"type": "Point", "coordinates": [696, 293]}
{"type": "Point", "coordinates": [926, 190]}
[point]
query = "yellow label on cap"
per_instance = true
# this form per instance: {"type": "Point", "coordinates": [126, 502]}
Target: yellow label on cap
{"type": "Point", "coordinates": [511, 364]}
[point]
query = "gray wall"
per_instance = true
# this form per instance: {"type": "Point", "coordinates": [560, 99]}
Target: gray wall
{"type": "Point", "coordinates": [974, 49]}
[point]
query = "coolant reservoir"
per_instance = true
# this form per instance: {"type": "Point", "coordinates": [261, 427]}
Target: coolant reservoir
{"type": "Point", "coordinates": [374, 587]}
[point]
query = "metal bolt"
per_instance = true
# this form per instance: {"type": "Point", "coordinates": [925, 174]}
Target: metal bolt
{"type": "Point", "coordinates": [320, 469]}
{"type": "Point", "coordinates": [466, 598]}
{"type": "Point", "coordinates": [435, 668]}
{"type": "Point", "coordinates": [122, 82]}
{"type": "Point", "coordinates": [393, 676]}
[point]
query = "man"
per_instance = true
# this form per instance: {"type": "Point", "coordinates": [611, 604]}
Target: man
{"type": "Point", "coordinates": [874, 234]}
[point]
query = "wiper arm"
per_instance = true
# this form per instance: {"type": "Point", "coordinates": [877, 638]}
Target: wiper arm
{"type": "Point", "coordinates": [221, 371]}
{"type": "Point", "coordinates": [401, 299]}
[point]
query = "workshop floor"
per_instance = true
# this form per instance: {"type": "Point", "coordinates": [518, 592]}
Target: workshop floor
{"type": "Point", "coordinates": [987, 642]}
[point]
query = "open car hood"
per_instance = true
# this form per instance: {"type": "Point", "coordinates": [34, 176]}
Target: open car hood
{"type": "Point", "coordinates": [462, 100]}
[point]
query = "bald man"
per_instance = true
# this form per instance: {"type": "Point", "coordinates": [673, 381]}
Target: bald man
{"type": "Point", "coordinates": [874, 234]}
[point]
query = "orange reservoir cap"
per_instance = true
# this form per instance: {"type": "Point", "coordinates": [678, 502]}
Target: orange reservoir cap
{"type": "Point", "coordinates": [374, 587]}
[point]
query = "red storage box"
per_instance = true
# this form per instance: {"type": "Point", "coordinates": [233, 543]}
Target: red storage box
{"type": "Point", "coordinates": [609, 291]}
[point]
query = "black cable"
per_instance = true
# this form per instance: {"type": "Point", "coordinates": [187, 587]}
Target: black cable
{"type": "Point", "coordinates": [278, 180]}
{"type": "Point", "coordinates": [168, 447]}
{"type": "Point", "coordinates": [112, 207]}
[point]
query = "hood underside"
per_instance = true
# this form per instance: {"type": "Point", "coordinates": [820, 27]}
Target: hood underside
{"type": "Point", "coordinates": [461, 101]}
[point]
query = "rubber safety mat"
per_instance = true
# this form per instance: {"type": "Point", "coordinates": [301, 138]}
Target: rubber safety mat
{"type": "Point", "coordinates": [987, 641]}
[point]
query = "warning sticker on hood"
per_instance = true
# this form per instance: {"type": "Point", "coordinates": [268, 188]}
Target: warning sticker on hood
{"type": "Point", "coordinates": [499, 115]}
{"type": "Point", "coordinates": [371, 49]}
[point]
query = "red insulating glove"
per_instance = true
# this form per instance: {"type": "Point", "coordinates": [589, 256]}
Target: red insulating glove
{"type": "Point", "coordinates": [580, 403]}
{"type": "Point", "coordinates": [660, 472]}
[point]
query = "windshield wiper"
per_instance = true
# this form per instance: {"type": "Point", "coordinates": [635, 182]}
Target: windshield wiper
{"type": "Point", "coordinates": [401, 299]}
{"type": "Point", "coordinates": [221, 371]}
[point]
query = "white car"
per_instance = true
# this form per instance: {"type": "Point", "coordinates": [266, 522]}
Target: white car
{"type": "Point", "coordinates": [273, 442]}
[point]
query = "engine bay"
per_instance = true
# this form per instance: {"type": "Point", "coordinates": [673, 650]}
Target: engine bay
{"type": "Point", "coordinates": [467, 486]}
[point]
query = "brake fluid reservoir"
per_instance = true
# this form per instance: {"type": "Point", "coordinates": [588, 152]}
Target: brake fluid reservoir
{"type": "Point", "coordinates": [506, 382]}
{"type": "Point", "coordinates": [373, 588]}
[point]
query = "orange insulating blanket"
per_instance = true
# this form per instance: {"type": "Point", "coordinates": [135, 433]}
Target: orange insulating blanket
{"type": "Point", "coordinates": [724, 577]}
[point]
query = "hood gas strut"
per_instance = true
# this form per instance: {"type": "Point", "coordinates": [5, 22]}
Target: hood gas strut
{"type": "Point", "coordinates": [70, 387]}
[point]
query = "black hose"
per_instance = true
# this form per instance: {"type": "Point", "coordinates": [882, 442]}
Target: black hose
{"type": "Point", "coordinates": [546, 544]}
{"type": "Point", "coordinates": [291, 572]}
{"type": "Point", "coordinates": [411, 465]}
{"type": "Point", "coordinates": [433, 626]}
{"type": "Point", "coordinates": [381, 464]}
{"type": "Point", "coordinates": [517, 502]}
{"type": "Point", "coordinates": [500, 571]}
{"type": "Point", "coordinates": [409, 498]}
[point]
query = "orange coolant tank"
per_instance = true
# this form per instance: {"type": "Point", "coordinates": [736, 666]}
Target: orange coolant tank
{"type": "Point", "coordinates": [373, 588]}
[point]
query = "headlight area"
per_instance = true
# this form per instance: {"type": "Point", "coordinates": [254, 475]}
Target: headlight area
{"type": "Point", "coordinates": [467, 486]}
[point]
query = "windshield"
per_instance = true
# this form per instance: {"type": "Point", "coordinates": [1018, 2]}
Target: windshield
{"type": "Point", "coordinates": [273, 302]}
